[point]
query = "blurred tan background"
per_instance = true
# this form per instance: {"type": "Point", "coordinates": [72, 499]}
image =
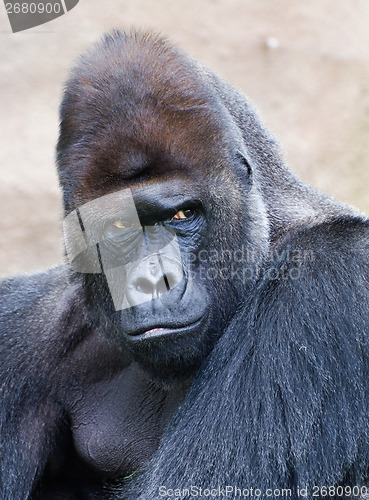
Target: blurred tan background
{"type": "Point", "coordinates": [305, 65]}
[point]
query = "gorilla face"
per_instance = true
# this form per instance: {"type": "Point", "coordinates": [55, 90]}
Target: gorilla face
{"type": "Point", "coordinates": [150, 178]}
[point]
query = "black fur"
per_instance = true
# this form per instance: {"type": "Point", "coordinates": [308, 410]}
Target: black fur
{"type": "Point", "coordinates": [282, 401]}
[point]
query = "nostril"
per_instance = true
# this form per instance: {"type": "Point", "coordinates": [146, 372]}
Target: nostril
{"type": "Point", "coordinates": [162, 286]}
{"type": "Point", "coordinates": [173, 278]}
{"type": "Point", "coordinates": [143, 285]}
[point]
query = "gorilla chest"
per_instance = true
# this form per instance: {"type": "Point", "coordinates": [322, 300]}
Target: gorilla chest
{"type": "Point", "coordinates": [117, 424]}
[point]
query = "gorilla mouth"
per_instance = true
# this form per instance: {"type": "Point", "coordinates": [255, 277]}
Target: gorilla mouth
{"type": "Point", "coordinates": [161, 331]}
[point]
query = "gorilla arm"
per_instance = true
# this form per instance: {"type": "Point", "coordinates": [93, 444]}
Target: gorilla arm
{"type": "Point", "coordinates": [34, 310]}
{"type": "Point", "coordinates": [282, 400]}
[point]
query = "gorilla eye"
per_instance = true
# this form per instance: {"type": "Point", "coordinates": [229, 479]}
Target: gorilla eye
{"type": "Point", "coordinates": [184, 214]}
{"type": "Point", "coordinates": [118, 227]}
{"type": "Point", "coordinates": [119, 224]}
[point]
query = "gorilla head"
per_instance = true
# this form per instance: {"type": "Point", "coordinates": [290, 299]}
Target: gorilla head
{"type": "Point", "coordinates": [165, 217]}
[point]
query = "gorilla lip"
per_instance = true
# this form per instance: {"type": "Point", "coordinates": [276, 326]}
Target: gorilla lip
{"type": "Point", "coordinates": [160, 331]}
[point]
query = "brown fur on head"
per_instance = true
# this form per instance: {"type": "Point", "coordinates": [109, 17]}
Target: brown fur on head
{"type": "Point", "coordinates": [135, 102]}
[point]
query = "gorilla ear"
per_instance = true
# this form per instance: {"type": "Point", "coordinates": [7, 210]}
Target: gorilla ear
{"type": "Point", "coordinates": [244, 170]}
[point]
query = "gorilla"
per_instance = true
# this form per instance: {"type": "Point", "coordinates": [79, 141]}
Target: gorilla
{"type": "Point", "coordinates": [208, 334]}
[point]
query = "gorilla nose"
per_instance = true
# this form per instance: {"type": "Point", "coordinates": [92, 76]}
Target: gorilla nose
{"type": "Point", "coordinates": [152, 278]}
{"type": "Point", "coordinates": [151, 287]}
